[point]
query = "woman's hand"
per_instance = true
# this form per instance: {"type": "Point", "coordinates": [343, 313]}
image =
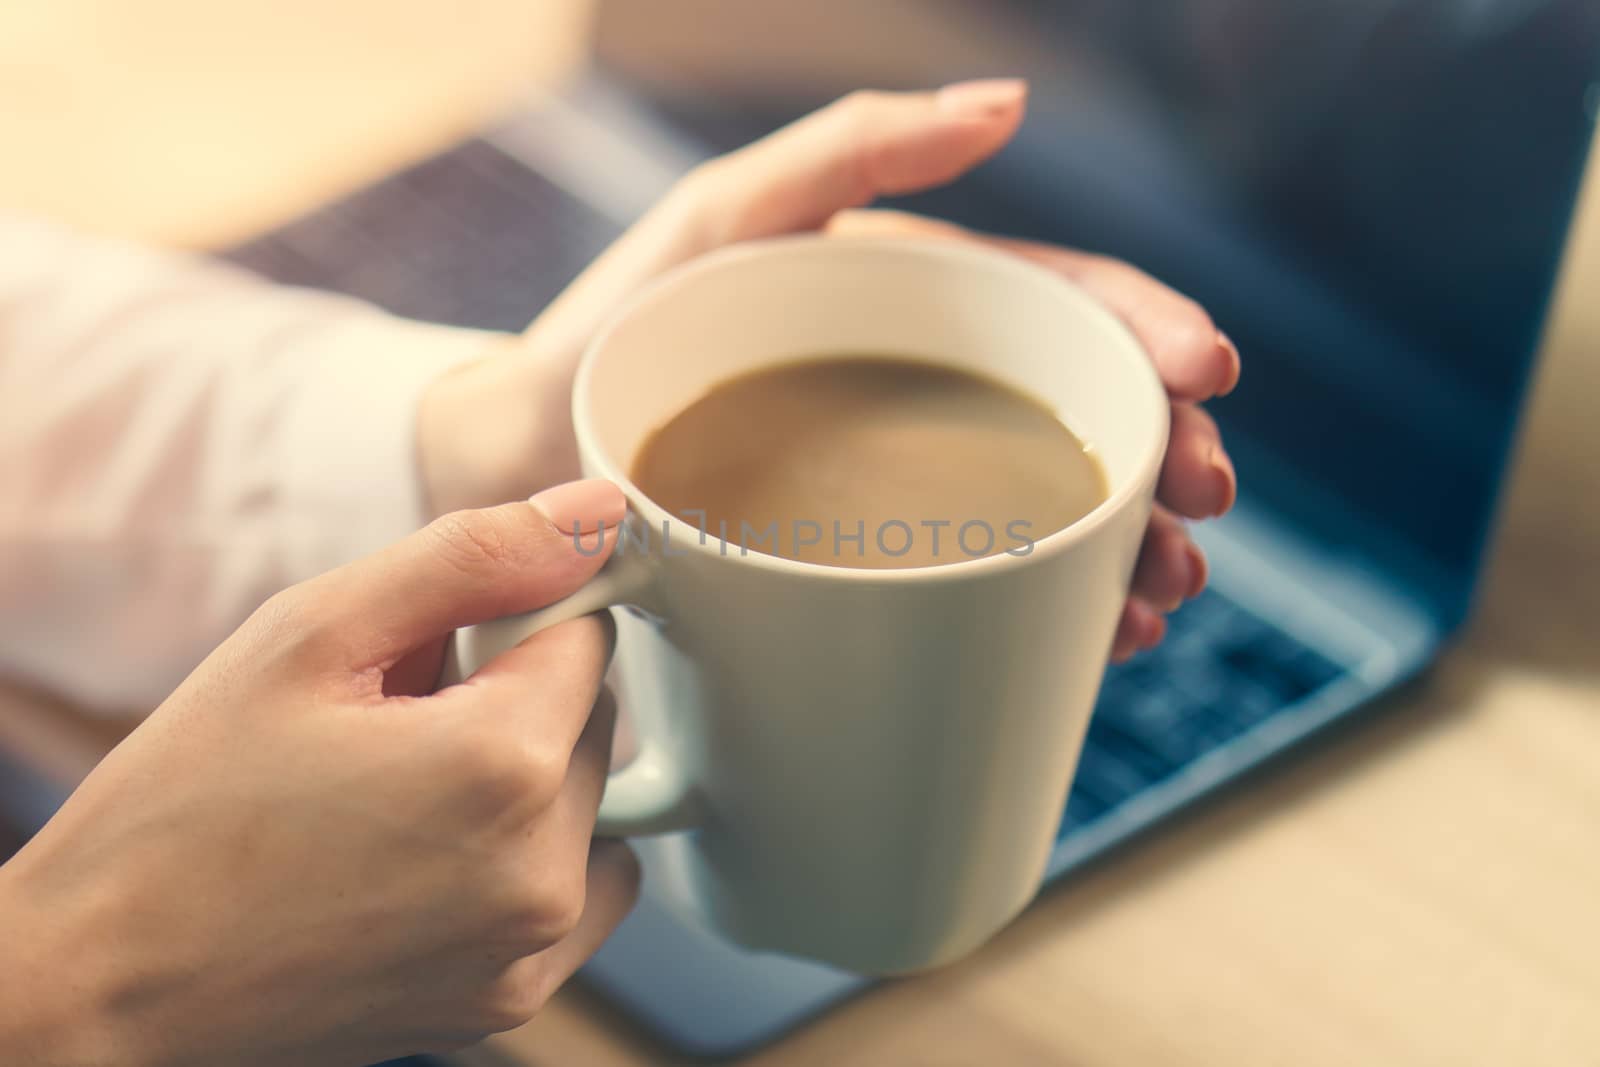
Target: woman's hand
{"type": "Point", "coordinates": [501, 428]}
{"type": "Point", "coordinates": [302, 857]}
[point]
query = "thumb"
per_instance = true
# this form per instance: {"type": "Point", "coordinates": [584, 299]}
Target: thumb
{"type": "Point", "coordinates": [862, 146]}
{"type": "Point", "coordinates": [468, 567]}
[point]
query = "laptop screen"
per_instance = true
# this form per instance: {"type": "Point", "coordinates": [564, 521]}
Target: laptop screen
{"type": "Point", "coordinates": [1370, 196]}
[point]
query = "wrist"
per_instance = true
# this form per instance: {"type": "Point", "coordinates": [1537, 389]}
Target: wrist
{"type": "Point", "coordinates": [56, 1001]}
{"type": "Point", "coordinates": [495, 430]}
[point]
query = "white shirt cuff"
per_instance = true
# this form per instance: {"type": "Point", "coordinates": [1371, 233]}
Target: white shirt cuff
{"type": "Point", "coordinates": [352, 479]}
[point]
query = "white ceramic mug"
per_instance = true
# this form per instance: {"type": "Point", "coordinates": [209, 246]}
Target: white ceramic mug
{"type": "Point", "coordinates": [871, 763]}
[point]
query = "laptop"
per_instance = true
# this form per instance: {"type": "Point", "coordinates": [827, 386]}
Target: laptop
{"type": "Point", "coordinates": [1370, 197]}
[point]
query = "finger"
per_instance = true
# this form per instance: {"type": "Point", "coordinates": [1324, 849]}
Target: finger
{"type": "Point", "coordinates": [624, 741]}
{"type": "Point", "coordinates": [464, 568]}
{"type": "Point", "coordinates": [862, 146]}
{"type": "Point", "coordinates": [591, 763]}
{"type": "Point", "coordinates": [1171, 567]}
{"type": "Point", "coordinates": [1140, 627]}
{"type": "Point", "coordinates": [612, 889]}
{"type": "Point", "coordinates": [1197, 479]}
{"type": "Point", "coordinates": [1196, 360]}
{"type": "Point", "coordinates": [558, 841]}
{"type": "Point", "coordinates": [888, 222]}
{"type": "Point", "coordinates": [551, 685]}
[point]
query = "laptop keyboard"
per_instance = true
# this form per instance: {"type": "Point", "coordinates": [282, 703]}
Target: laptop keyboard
{"type": "Point", "coordinates": [471, 237]}
{"type": "Point", "coordinates": [475, 238]}
{"type": "Point", "coordinates": [1221, 671]}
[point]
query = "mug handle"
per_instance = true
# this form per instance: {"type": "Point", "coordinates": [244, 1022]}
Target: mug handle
{"type": "Point", "coordinates": [650, 795]}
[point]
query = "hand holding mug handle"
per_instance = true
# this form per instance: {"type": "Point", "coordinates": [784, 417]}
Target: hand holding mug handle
{"type": "Point", "coordinates": [648, 796]}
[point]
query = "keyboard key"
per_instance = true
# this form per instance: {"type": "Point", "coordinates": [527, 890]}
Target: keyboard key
{"type": "Point", "coordinates": [1165, 739]}
{"type": "Point", "coordinates": [1312, 669]}
{"type": "Point", "coordinates": [1081, 809]}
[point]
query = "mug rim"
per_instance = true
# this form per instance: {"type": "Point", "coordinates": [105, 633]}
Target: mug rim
{"type": "Point", "coordinates": [660, 288]}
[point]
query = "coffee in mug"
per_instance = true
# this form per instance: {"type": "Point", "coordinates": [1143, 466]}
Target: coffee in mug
{"type": "Point", "coordinates": [870, 461]}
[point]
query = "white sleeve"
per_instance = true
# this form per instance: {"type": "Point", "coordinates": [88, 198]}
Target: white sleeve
{"type": "Point", "coordinates": [179, 440]}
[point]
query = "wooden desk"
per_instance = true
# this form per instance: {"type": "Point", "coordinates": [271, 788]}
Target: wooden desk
{"type": "Point", "coordinates": [1423, 889]}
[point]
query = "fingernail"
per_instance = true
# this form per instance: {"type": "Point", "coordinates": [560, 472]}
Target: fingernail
{"type": "Point", "coordinates": [1223, 466]}
{"type": "Point", "coordinates": [581, 507]}
{"type": "Point", "coordinates": [1231, 351]}
{"type": "Point", "coordinates": [983, 98]}
{"type": "Point", "coordinates": [1157, 634]}
{"type": "Point", "coordinates": [1198, 571]}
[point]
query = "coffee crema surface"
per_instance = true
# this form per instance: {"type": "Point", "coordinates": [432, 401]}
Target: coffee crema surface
{"type": "Point", "coordinates": [870, 461]}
